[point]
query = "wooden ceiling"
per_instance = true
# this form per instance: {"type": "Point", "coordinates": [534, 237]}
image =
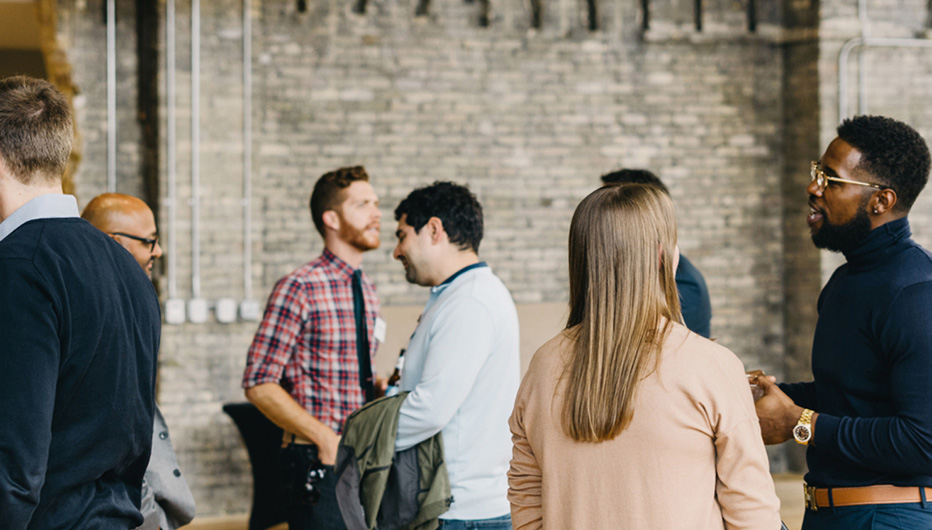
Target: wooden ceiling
{"type": "Point", "coordinates": [19, 25]}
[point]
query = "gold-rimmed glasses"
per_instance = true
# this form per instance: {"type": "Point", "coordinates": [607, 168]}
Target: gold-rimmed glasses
{"type": "Point", "coordinates": [821, 179]}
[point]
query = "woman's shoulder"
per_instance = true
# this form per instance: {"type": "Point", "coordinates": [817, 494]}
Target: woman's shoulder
{"type": "Point", "coordinates": [552, 353]}
{"type": "Point", "coordinates": [546, 367]}
{"type": "Point", "coordinates": [697, 353]}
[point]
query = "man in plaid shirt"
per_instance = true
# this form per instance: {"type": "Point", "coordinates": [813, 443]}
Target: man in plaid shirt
{"type": "Point", "coordinates": [303, 369]}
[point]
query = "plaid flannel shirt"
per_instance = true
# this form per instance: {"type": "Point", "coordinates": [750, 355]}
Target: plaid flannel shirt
{"type": "Point", "coordinates": [307, 339]}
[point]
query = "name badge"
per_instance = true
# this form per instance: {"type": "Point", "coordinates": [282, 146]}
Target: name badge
{"type": "Point", "coordinates": [380, 327]}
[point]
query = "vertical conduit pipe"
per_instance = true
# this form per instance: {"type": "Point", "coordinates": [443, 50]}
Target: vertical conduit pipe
{"type": "Point", "coordinates": [869, 42]}
{"type": "Point", "coordinates": [862, 76]}
{"type": "Point", "coordinates": [111, 96]}
{"type": "Point", "coordinates": [171, 138]}
{"type": "Point", "coordinates": [247, 149]}
{"type": "Point", "coordinates": [843, 76]}
{"type": "Point", "coordinates": [195, 148]}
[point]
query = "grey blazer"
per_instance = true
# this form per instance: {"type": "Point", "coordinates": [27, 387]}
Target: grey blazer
{"type": "Point", "coordinates": [167, 502]}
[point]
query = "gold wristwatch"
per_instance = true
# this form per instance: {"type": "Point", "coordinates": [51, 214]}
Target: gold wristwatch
{"type": "Point", "coordinates": [802, 432]}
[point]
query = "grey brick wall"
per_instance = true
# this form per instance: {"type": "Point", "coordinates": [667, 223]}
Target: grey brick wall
{"type": "Point", "coordinates": [529, 118]}
{"type": "Point", "coordinates": [84, 36]}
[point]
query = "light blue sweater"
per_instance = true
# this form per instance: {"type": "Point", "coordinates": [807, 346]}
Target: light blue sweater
{"type": "Point", "coordinates": [462, 368]}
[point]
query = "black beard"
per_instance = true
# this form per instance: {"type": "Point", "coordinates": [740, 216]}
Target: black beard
{"type": "Point", "coordinates": [845, 237]}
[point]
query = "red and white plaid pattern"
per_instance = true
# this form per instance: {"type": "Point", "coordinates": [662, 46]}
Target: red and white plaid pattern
{"type": "Point", "coordinates": [307, 339]}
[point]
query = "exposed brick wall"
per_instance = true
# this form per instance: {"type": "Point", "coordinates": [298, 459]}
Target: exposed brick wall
{"type": "Point", "coordinates": [83, 36]}
{"type": "Point", "coordinates": [529, 118]}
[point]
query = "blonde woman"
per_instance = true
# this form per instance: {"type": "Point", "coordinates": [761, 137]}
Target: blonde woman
{"type": "Point", "coordinates": [626, 419]}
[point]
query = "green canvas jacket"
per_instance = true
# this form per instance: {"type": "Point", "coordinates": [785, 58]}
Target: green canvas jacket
{"type": "Point", "coordinates": [381, 489]}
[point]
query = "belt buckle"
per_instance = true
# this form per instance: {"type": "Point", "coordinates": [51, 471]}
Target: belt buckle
{"type": "Point", "coordinates": [809, 494]}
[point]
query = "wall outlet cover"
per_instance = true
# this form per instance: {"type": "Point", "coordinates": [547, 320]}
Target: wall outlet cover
{"type": "Point", "coordinates": [174, 311]}
{"type": "Point", "coordinates": [197, 310]}
{"type": "Point", "coordinates": [249, 310]}
{"type": "Point", "coordinates": [225, 311]}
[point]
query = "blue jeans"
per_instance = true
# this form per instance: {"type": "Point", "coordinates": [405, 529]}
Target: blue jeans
{"type": "Point", "coordinates": [907, 516]}
{"type": "Point", "coordinates": [495, 523]}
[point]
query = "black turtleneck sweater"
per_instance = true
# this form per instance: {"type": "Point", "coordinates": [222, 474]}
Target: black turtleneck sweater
{"type": "Point", "coordinates": [872, 367]}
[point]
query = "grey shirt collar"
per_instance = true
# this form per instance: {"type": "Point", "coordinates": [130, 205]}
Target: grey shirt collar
{"type": "Point", "coordinates": [48, 206]}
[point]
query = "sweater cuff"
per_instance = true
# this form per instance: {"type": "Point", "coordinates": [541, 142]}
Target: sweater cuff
{"type": "Point", "coordinates": [801, 393]}
{"type": "Point", "coordinates": [823, 435]}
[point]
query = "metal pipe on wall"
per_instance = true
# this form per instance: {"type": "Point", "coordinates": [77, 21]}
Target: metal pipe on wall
{"type": "Point", "coordinates": [111, 96]}
{"type": "Point", "coordinates": [171, 156]}
{"type": "Point", "coordinates": [195, 148]}
{"type": "Point", "coordinates": [247, 149]}
{"type": "Point", "coordinates": [862, 75]}
{"type": "Point", "coordinates": [866, 42]}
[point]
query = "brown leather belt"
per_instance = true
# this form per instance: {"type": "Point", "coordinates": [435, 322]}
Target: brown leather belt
{"type": "Point", "coordinates": [880, 494]}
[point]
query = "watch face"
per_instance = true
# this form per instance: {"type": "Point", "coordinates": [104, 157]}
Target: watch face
{"type": "Point", "coordinates": [802, 433]}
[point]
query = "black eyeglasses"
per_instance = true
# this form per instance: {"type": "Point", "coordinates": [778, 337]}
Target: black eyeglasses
{"type": "Point", "coordinates": [151, 241]}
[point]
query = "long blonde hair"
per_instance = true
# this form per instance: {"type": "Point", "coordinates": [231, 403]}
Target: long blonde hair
{"type": "Point", "coordinates": [621, 247]}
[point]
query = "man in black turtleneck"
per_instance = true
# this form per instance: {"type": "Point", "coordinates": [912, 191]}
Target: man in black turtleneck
{"type": "Point", "coordinates": [867, 416]}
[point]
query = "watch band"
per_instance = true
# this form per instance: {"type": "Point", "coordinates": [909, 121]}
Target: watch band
{"type": "Point", "coordinates": [802, 432]}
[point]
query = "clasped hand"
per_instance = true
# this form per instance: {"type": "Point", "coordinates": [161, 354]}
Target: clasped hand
{"type": "Point", "coordinates": [775, 410]}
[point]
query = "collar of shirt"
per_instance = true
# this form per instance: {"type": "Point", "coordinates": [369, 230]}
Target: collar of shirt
{"type": "Point", "coordinates": [457, 274]}
{"type": "Point", "coordinates": [338, 264]}
{"type": "Point", "coordinates": [879, 244]}
{"type": "Point", "coordinates": [48, 206]}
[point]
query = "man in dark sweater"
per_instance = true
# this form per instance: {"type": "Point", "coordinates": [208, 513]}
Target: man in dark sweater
{"type": "Point", "coordinates": [694, 295]}
{"type": "Point", "coordinates": [867, 416]}
{"type": "Point", "coordinates": [79, 332]}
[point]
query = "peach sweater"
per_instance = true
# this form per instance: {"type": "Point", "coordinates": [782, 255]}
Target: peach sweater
{"type": "Point", "coordinates": [692, 457]}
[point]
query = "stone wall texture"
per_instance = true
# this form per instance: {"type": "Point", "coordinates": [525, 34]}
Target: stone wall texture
{"type": "Point", "coordinates": [528, 117]}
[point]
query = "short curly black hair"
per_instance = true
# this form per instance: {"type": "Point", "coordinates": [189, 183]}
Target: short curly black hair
{"type": "Point", "coordinates": [893, 153]}
{"type": "Point", "coordinates": [634, 176]}
{"type": "Point", "coordinates": [455, 206]}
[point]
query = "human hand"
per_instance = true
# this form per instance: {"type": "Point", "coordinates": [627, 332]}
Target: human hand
{"type": "Point", "coordinates": [775, 410]}
{"type": "Point", "coordinates": [756, 391]}
{"type": "Point", "coordinates": [381, 385]}
{"type": "Point", "coordinates": [754, 374]}
{"type": "Point", "coordinates": [327, 449]}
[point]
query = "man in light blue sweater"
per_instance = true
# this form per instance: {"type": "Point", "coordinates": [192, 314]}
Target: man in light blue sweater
{"type": "Point", "coordinates": [462, 364]}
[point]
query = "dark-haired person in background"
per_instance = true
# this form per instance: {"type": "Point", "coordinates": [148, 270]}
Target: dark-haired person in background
{"type": "Point", "coordinates": [79, 334]}
{"type": "Point", "coordinates": [462, 363]}
{"type": "Point", "coordinates": [694, 295]}
{"type": "Point", "coordinates": [303, 369]}
{"type": "Point", "coordinates": [867, 416]}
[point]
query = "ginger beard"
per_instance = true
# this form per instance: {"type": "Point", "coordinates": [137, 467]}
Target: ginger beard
{"type": "Point", "coordinates": [362, 237]}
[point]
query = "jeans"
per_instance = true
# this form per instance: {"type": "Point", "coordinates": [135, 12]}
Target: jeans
{"type": "Point", "coordinates": [495, 523]}
{"type": "Point", "coordinates": [293, 464]}
{"type": "Point", "coordinates": [907, 516]}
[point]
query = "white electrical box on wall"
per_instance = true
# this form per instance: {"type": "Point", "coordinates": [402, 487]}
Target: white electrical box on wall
{"type": "Point", "coordinates": [174, 311]}
{"type": "Point", "coordinates": [249, 310]}
{"type": "Point", "coordinates": [225, 310]}
{"type": "Point", "coordinates": [197, 311]}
